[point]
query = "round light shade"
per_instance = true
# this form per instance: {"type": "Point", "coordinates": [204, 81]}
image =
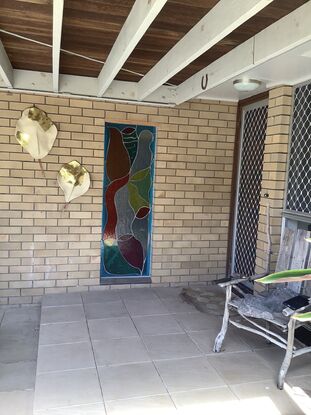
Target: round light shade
{"type": "Point", "coordinates": [246, 85]}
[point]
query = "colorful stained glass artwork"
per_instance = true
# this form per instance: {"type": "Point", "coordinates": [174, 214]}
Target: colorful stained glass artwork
{"type": "Point", "coordinates": [127, 201]}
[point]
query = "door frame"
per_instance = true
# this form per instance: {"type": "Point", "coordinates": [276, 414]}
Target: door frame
{"type": "Point", "coordinates": [235, 174]}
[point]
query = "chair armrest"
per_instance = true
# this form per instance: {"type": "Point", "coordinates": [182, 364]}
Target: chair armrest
{"type": "Point", "coordinates": [237, 279]}
{"type": "Point", "coordinates": [287, 311]}
{"type": "Point", "coordinates": [233, 281]}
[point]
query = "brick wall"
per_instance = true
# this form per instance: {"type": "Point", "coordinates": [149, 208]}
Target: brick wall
{"type": "Point", "coordinates": [274, 173]}
{"type": "Point", "coordinates": [45, 249]}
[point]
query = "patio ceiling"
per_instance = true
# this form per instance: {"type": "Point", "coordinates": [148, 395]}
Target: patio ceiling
{"type": "Point", "coordinates": [156, 50]}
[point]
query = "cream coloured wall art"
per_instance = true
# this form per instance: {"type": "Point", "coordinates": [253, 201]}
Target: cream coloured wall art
{"type": "Point", "coordinates": [35, 132]}
{"type": "Point", "coordinates": [74, 180]}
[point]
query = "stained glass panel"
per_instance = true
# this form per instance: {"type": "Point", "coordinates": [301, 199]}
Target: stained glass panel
{"type": "Point", "coordinates": [127, 200]}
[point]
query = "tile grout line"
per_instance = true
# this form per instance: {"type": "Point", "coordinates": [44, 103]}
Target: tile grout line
{"type": "Point", "coordinates": [85, 341]}
{"type": "Point", "coordinates": [162, 394]}
{"type": "Point", "coordinates": [64, 343]}
{"type": "Point", "coordinates": [152, 361]}
{"type": "Point", "coordinates": [36, 378]}
{"type": "Point", "coordinates": [66, 370]}
{"type": "Point", "coordinates": [96, 368]}
{"type": "Point", "coordinates": [40, 411]}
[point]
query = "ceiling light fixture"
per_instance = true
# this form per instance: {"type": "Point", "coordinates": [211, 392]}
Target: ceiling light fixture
{"type": "Point", "coordinates": [246, 85]}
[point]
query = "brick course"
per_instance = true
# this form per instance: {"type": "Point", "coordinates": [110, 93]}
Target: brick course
{"type": "Point", "coordinates": [274, 173]}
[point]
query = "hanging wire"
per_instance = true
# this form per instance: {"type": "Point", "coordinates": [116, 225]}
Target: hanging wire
{"type": "Point", "coordinates": [69, 52]}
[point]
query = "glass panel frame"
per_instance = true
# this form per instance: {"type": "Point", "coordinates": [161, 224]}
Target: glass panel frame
{"type": "Point", "coordinates": [127, 257]}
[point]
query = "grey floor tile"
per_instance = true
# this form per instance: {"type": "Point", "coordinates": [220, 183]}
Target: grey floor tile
{"type": "Point", "coordinates": [220, 401]}
{"type": "Point", "coordinates": [62, 314]}
{"type": "Point", "coordinates": [254, 341]}
{"type": "Point", "coordinates": [19, 342]}
{"type": "Point", "coordinates": [240, 367]}
{"type": "Point", "coordinates": [177, 305]}
{"type": "Point", "coordinates": [17, 376]}
{"type": "Point", "coordinates": [129, 381]}
{"type": "Point", "coordinates": [161, 404]}
{"type": "Point", "coordinates": [120, 351]}
{"type": "Point", "coordinates": [105, 310]}
{"type": "Point", "coordinates": [170, 346]}
{"type": "Point", "coordinates": [61, 389]}
{"type": "Point", "coordinates": [167, 292]}
{"type": "Point", "coordinates": [16, 403]}
{"type": "Point", "coordinates": [50, 300]}
{"type": "Point", "coordinates": [112, 328]}
{"type": "Point", "coordinates": [138, 294]}
{"type": "Point", "coordinates": [57, 333]}
{"type": "Point", "coordinates": [29, 314]}
{"type": "Point", "coordinates": [195, 321]}
{"type": "Point", "coordinates": [88, 409]}
{"type": "Point", "coordinates": [1, 315]}
{"type": "Point", "coordinates": [161, 324]}
{"type": "Point", "coordinates": [300, 365]}
{"type": "Point", "coordinates": [301, 382]}
{"type": "Point", "coordinates": [65, 357]}
{"type": "Point", "coordinates": [145, 307]}
{"type": "Point", "coordinates": [205, 340]}
{"type": "Point", "coordinates": [299, 389]}
{"type": "Point", "coordinates": [186, 374]}
{"type": "Point", "coordinates": [100, 296]}
{"type": "Point", "coordinates": [273, 401]}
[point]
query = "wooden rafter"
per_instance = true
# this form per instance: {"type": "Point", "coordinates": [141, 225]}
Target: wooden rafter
{"type": "Point", "coordinates": [86, 86]}
{"type": "Point", "coordinates": [141, 16]}
{"type": "Point", "coordinates": [58, 8]}
{"type": "Point", "coordinates": [285, 34]}
{"type": "Point", "coordinates": [225, 17]}
{"type": "Point", "coordinates": [6, 70]}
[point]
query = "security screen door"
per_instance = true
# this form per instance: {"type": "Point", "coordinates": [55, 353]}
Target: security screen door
{"type": "Point", "coordinates": [252, 144]}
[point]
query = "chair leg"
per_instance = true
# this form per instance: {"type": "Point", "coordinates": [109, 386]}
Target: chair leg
{"type": "Point", "coordinates": [268, 328]}
{"type": "Point", "coordinates": [221, 335]}
{"type": "Point", "coordinates": [289, 353]}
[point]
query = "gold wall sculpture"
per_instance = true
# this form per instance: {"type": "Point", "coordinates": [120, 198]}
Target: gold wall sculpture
{"type": "Point", "coordinates": [74, 180]}
{"type": "Point", "coordinates": [35, 132]}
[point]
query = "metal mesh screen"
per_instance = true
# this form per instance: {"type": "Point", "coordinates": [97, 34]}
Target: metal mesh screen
{"type": "Point", "coordinates": [253, 143]}
{"type": "Point", "coordinates": [299, 171]}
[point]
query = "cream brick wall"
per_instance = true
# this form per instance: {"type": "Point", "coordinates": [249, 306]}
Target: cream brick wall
{"type": "Point", "coordinates": [274, 173]}
{"type": "Point", "coordinates": [45, 249]}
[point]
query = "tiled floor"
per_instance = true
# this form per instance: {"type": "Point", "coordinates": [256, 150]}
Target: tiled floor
{"type": "Point", "coordinates": [140, 352]}
{"type": "Point", "coordinates": [19, 329]}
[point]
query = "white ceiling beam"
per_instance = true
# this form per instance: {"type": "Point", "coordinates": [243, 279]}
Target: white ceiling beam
{"type": "Point", "coordinates": [285, 34]}
{"type": "Point", "coordinates": [6, 70]}
{"type": "Point", "coordinates": [222, 19]}
{"type": "Point", "coordinates": [85, 86]}
{"type": "Point", "coordinates": [58, 8]}
{"type": "Point", "coordinates": [140, 18]}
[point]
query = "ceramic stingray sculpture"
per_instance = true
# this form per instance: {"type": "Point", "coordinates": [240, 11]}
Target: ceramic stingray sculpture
{"type": "Point", "coordinates": [74, 180]}
{"type": "Point", "coordinates": [35, 132]}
